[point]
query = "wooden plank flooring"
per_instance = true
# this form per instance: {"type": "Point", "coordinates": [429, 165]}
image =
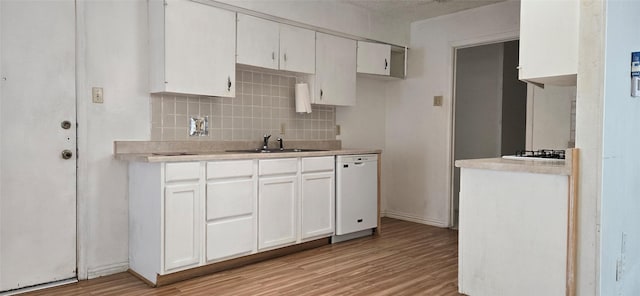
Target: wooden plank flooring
{"type": "Point", "coordinates": [406, 259]}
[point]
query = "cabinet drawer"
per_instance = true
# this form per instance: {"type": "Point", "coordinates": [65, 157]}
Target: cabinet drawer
{"type": "Point", "coordinates": [182, 171]}
{"type": "Point", "coordinates": [314, 164]}
{"type": "Point", "coordinates": [230, 198]}
{"type": "Point", "coordinates": [229, 169]}
{"type": "Point", "coordinates": [278, 166]}
{"type": "Point", "coordinates": [230, 238]}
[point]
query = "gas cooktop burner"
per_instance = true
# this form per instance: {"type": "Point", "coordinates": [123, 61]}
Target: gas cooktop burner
{"type": "Point", "coordinates": [544, 153]}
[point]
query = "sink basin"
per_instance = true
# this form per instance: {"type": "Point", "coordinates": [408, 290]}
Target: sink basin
{"type": "Point", "coordinates": [172, 153]}
{"type": "Point", "coordinates": [274, 150]}
{"type": "Point", "coordinates": [299, 150]}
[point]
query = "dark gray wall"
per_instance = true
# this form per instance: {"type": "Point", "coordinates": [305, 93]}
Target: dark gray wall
{"type": "Point", "coordinates": [477, 107]}
{"type": "Point", "coordinates": [514, 102]}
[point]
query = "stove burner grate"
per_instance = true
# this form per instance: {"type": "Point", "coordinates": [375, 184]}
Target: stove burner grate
{"type": "Point", "coordinates": [543, 153]}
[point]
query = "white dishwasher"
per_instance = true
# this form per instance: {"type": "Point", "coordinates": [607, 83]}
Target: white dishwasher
{"type": "Point", "coordinates": [356, 196]}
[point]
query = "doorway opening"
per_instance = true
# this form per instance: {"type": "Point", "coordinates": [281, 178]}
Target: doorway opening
{"type": "Point", "coordinates": [489, 107]}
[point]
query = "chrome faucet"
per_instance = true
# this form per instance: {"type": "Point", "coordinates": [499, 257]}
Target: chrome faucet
{"type": "Point", "coordinates": [281, 143]}
{"type": "Point", "coordinates": [265, 145]}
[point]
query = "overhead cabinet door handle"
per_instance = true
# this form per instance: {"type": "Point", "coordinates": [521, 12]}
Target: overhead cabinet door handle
{"type": "Point", "coordinates": [228, 83]}
{"type": "Point", "coordinates": [386, 64]}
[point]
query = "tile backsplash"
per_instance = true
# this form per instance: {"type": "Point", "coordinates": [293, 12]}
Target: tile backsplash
{"type": "Point", "coordinates": [264, 102]}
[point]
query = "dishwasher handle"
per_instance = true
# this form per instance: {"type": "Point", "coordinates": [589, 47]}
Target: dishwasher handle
{"type": "Point", "coordinates": [355, 164]}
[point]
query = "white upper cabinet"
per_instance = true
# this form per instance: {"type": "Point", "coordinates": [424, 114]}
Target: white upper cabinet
{"type": "Point", "coordinates": [192, 48]}
{"type": "Point", "coordinates": [271, 45]}
{"type": "Point", "coordinates": [549, 41]}
{"type": "Point", "coordinates": [374, 58]}
{"type": "Point", "coordinates": [335, 71]}
{"type": "Point", "coordinates": [258, 42]}
{"type": "Point", "coordinates": [297, 49]}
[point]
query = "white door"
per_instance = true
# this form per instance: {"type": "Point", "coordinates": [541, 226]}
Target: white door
{"type": "Point", "coordinates": [200, 49]}
{"type": "Point", "coordinates": [257, 42]}
{"type": "Point", "coordinates": [335, 70]}
{"type": "Point", "coordinates": [37, 186]}
{"type": "Point", "coordinates": [181, 226]}
{"type": "Point", "coordinates": [297, 49]}
{"type": "Point", "coordinates": [277, 211]}
{"type": "Point", "coordinates": [317, 204]}
{"type": "Point", "coordinates": [374, 58]}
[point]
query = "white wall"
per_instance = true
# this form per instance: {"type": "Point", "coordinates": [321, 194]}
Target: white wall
{"type": "Point", "coordinates": [589, 140]}
{"type": "Point", "coordinates": [333, 15]}
{"type": "Point", "coordinates": [418, 143]}
{"type": "Point", "coordinates": [363, 125]}
{"type": "Point", "coordinates": [112, 53]}
{"type": "Point", "coordinates": [478, 101]}
{"type": "Point", "coordinates": [549, 117]}
{"type": "Point", "coordinates": [621, 162]}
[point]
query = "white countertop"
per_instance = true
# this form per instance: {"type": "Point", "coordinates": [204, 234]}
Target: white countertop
{"type": "Point", "coordinates": [558, 167]}
{"type": "Point", "coordinates": [222, 155]}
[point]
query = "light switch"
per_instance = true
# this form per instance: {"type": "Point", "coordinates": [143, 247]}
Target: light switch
{"type": "Point", "coordinates": [437, 100]}
{"type": "Point", "coordinates": [337, 129]}
{"type": "Point", "coordinates": [97, 95]}
{"type": "Point", "coordinates": [283, 127]}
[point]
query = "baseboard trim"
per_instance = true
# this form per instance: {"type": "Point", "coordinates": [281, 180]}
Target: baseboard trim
{"type": "Point", "coordinates": [163, 280]}
{"type": "Point", "coordinates": [416, 219]}
{"type": "Point", "coordinates": [39, 287]}
{"type": "Point", "coordinates": [93, 273]}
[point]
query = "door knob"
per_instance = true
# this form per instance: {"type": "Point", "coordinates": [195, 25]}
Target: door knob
{"type": "Point", "coordinates": [66, 154]}
{"type": "Point", "coordinates": [65, 124]}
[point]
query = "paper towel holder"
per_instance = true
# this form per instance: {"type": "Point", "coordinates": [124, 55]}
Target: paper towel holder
{"type": "Point", "coordinates": [302, 98]}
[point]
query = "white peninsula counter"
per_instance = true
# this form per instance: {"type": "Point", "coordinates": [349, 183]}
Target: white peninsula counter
{"type": "Point", "coordinates": [513, 230]}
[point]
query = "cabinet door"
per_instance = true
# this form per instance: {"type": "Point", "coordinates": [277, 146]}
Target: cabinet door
{"type": "Point", "coordinates": [374, 58]}
{"type": "Point", "coordinates": [200, 49]}
{"type": "Point", "coordinates": [231, 209]}
{"type": "Point", "coordinates": [257, 42]}
{"type": "Point", "coordinates": [297, 49]}
{"type": "Point", "coordinates": [182, 226]}
{"type": "Point", "coordinates": [549, 48]}
{"type": "Point", "coordinates": [230, 238]}
{"type": "Point", "coordinates": [277, 208]}
{"type": "Point", "coordinates": [317, 204]}
{"type": "Point", "coordinates": [335, 71]}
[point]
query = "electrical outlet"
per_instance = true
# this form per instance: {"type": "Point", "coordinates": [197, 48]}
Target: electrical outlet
{"type": "Point", "coordinates": [283, 127]}
{"type": "Point", "coordinates": [199, 126]}
{"type": "Point", "coordinates": [97, 95]}
{"type": "Point", "coordinates": [618, 270]}
{"type": "Point", "coordinates": [437, 101]}
{"type": "Point", "coordinates": [337, 129]}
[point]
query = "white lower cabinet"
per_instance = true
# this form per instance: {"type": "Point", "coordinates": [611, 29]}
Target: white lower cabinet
{"type": "Point", "coordinates": [181, 226]}
{"type": "Point", "coordinates": [166, 226]}
{"type": "Point", "coordinates": [277, 206]}
{"type": "Point", "coordinates": [277, 203]}
{"type": "Point", "coordinates": [317, 197]}
{"type": "Point", "coordinates": [188, 214]}
{"type": "Point", "coordinates": [231, 209]}
{"type": "Point", "coordinates": [296, 200]}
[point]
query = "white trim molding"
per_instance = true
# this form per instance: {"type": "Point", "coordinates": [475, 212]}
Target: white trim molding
{"type": "Point", "coordinates": [414, 218]}
{"type": "Point", "coordinates": [110, 269]}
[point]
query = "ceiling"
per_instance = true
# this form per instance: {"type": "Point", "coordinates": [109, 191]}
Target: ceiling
{"type": "Point", "coordinates": [414, 10]}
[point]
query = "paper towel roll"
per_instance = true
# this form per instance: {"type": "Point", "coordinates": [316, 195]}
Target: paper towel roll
{"type": "Point", "coordinates": [303, 100]}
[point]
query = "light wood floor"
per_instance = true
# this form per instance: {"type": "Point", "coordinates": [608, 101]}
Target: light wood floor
{"type": "Point", "coordinates": [407, 259]}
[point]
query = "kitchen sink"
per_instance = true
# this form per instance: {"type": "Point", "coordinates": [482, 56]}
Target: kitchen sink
{"type": "Point", "coordinates": [172, 153]}
{"type": "Point", "coordinates": [274, 150]}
